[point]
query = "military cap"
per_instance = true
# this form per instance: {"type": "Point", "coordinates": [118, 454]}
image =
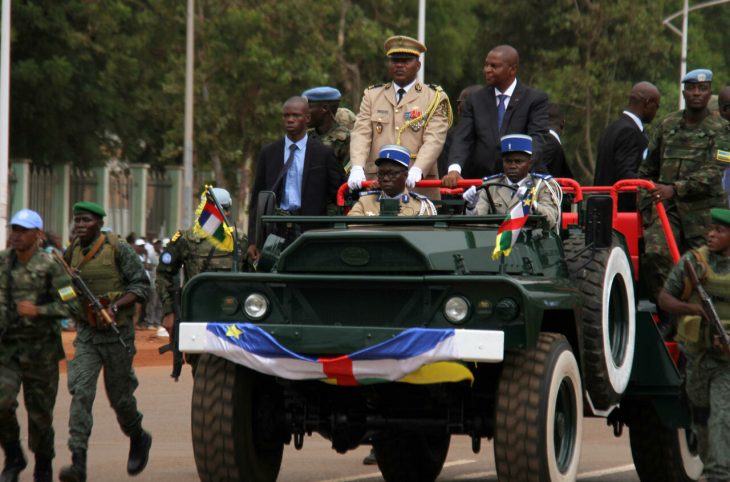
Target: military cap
{"type": "Point", "coordinates": [28, 219]}
{"type": "Point", "coordinates": [395, 153]}
{"type": "Point", "coordinates": [322, 94]}
{"type": "Point", "coordinates": [89, 207]}
{"type": "Point", "coordinates": [720, 216]}
{"type": "Point", "coordinates": [516, 143]}
{"type": "Point", "coordinates": [697, 75]}
{"type": "Point", "coordinates": [223, 197]}
{"type": "Point", "coordinates": [400, 46]}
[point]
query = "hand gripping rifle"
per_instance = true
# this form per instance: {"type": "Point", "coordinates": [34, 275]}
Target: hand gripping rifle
{"type": "Point", "coordinates": [177, 356]}
{"type": "Point", "coordinates": [707, 305]}
{"type": "Point", "coordinates": [96, 305]}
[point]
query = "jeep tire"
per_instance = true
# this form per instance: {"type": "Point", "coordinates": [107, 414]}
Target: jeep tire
{"type": "Point", "coordinates": [231, 406]}
{"type": "Point", "coordinates": [404, 457]}
{"type": "Point", "coordinates": [608, 318]}
{"type": "Point", "coordinates": [539, 414]}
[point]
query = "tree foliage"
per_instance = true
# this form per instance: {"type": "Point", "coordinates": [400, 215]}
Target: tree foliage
{"type": "Point", "coordinates": [97, 79]}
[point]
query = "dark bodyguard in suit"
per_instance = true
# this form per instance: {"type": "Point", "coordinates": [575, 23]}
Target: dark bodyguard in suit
{"type": "Point", "coordinates": [553, 155]}
{"type": "Point", "coordinates": [623, 144]}
{"type": "Point", "coordinates": [302, 172]}
{"type": "Point", "coordinates": [504, 106]}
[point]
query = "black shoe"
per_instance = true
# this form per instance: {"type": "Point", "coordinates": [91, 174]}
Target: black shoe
{"type": "Point", "coordinates": [139, 452]}
{"type": "Point", "coordinates": [370, 458]}
{"type": "Point", "coordinates": [15, 462]}
{"type": "Point", "coordinates": [76, 472]}
{"type": "Point", "coordinates": [43, 469]}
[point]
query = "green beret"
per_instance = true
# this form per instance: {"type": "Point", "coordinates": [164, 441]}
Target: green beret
{"type": "Point", "coordinates": [720, 216]}
{"type": "Point", "coordinates": [89, 207]}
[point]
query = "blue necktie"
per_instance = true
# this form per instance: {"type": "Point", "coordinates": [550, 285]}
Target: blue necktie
{"type": "Point", "coordinates": [285, 170]}
{"type": "Point", "coordinates": [500, 111]}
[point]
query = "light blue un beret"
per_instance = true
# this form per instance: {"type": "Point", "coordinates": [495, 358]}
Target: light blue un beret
{"type": "Point", "coordinates": [697, 75]}
{"type": "Point", "coordinates": [28, 219]}
{"type": "Point", "coordinates": [322, 94]}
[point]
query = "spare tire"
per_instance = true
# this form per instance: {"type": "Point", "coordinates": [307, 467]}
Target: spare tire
{"type": "Point", "coordinates": [608, 316]}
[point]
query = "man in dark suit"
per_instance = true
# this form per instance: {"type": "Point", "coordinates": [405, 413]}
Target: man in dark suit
{"type": "Point", "coordinates": [504, 106]}
{"type": "Point", "coordinates": [302, 172]}
{"type": "Point", "coordinates": [553, 155]}
{"type": "Point", "coordinates": [623, 144]}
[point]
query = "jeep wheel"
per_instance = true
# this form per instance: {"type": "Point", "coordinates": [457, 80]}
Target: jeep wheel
{"type": "Point", "coordinates": [662, 454]}
{"type": "Point", "coordinates": [609, 326]}
{"type": "Point", "coordinates": [406, 457]}
{"type": "Point", "coordinates": [232, 417]}
{"type": "Point", "coordinates": [539, 414]}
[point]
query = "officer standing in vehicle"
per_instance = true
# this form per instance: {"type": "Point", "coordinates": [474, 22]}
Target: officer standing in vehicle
{"type": "Point", "coordinates": [323, 125]}
{"type": "Point", "coordinates": [197, 255]}
{"type": "Point", "coordinates": [707, 380]}
{"type": "Point", "coordinates": [688, 152]}
{"type": "Point", "coordinates": [113, 273]}
{"type": "Point", "coordinates": [35, 294]}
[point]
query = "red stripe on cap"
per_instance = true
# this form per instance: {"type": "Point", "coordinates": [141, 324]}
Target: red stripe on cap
{"type": "Point", "coordinates": [340, 369]}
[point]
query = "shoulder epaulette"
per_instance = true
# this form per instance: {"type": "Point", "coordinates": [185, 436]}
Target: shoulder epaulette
{"type": "Point", "coordinates": [375, 86]}
{"type": "Point", "coordinates": [435, 87]}
{"type": "Point", "coordinates": [418, 196]}
{"type": "Point", "coordinates": [175, 236]}
{"type": "Point", "coordinates": [493, 176]}
{"type": "Point", "coordinates": [541, 175]}
{"type": "Point", "coordinates": [368, 193]}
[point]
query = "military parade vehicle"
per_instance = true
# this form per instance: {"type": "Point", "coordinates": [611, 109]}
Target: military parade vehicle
{"type": "Point", "coordinates": [403, 331]}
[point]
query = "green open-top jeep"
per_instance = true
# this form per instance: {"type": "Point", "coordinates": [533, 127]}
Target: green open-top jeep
{"type": "Point", "coordinates": [403, 331]}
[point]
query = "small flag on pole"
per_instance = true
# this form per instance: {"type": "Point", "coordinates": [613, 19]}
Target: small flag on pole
{"type": "Point", "coordinates": [210, 222]}
{"type": "Point", "coordinates": [510, 228]}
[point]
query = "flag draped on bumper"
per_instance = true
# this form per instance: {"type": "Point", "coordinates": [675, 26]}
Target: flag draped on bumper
{"type": "Point", "coordinates": [416, 355]}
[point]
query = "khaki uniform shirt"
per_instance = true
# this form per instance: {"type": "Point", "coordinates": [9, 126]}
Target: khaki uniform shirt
{"type": "Point", "coordinates": [380, 119]}
{"type": "Point", "coordinates": [504, 200]}
{"type": "Point", "coordinates": [411, 204]}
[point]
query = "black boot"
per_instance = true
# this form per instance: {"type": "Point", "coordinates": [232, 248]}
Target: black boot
{"type": "Point", "coordinates": [15, 462]}
{"type": "Point", "coordinates": [76, 472]}
{"type": "Point", "coordinates": [139, 452]}
{"type": "Point", "coordinates": [43, 469]}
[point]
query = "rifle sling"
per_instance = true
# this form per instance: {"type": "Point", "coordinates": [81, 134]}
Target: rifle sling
{"type": "Point", "coordinates": [92, 252]}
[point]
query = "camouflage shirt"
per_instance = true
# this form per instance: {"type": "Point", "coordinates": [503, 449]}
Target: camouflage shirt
{"type": "Point", "coordinates": [692, 160]}
{"type": "Point", "coordinates": [196, 254]}
{"type": "Point", "coordinates": [338, 138]}
{"type": "Point", "coordinates": [43, 282]}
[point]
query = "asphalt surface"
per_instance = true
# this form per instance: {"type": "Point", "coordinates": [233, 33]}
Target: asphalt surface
{"type": "Point", "coordinates": [166, 408]}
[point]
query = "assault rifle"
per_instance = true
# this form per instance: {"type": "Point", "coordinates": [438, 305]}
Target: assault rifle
{"type": "Point", "coordinates": [96, 305]}
{"type": "Point", "coordinates": [177, 357]}
{"type": "Point", "coordinates": [707, 305]}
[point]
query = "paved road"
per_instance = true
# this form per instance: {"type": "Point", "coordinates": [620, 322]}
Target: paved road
{"type": "Point", "coordinates": [166, 406]}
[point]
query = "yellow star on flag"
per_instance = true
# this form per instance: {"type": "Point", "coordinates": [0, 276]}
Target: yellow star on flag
{"type": "Point", "coordinates": [233, 331]}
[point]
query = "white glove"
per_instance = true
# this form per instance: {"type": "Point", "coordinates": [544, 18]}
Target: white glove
{"type": "Point", "coordinates": [414, 175]}
{"type": "Point", "coordinates": [357, 176]}
{"type": "Point", "coordinates": [471, 196]}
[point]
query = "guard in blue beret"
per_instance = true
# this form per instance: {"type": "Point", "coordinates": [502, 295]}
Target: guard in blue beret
{"type": "Point", "coordinates": [35, 294]}
{"type": "Point", "coordinates": [324, 103]}
{"type": "Point", "coordinates": [392, 163]}
{"type": "Point", "coordinates": [697, 75]}
{"type": "Point", "coordinates": [707, 369]}
{"type": "Point", "coordinates": [516, 184]}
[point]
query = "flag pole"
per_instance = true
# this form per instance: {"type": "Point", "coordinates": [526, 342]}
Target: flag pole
{"type": "Point", "coordinates": [209, 192]}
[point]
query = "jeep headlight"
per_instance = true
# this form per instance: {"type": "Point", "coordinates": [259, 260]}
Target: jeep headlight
{"type": "Point", "coordinates": [256, 306]}
{"type": "Point", "coordinates": [507, 309]}
{"type": "Point", "coordinates": [456, 309]}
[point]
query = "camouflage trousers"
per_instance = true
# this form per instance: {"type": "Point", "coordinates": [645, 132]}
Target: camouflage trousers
{"type": "Point", "coordinates": [656, 263]}
{"type": "Point", "coordinates": [708, 387]}
{"type": "Point", "coordinates": [28, 366]}
{"type": "Point", "coordinates": [120, 383]}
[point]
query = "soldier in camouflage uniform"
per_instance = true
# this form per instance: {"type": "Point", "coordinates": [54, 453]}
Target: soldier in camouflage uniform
{"type": "Point", "coordinates": [197, 254]}
{"type": "Point", "coordinates": [323, 109]}
{"type": "Point", "coordinates": [707, 381]}
{"type": "Point", "coordinates": [114, 274]}
{"type": "Point", "coordinates": [35, 293]}
{"type": "Point", "coordinates": [687, 154]}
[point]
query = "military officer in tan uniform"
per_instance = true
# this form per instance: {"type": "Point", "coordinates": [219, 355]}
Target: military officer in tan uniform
{"type": "Point", "coordinates": [392, 164]}
{"type": "Point", "coordinates": [403, 112]}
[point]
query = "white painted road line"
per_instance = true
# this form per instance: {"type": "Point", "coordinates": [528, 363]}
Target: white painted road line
{"type": "Point", "coordinates": [600, 473]}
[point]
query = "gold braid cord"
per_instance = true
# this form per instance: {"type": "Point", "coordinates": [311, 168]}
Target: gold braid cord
{"type": "Point", "coordinates": [430, 111]}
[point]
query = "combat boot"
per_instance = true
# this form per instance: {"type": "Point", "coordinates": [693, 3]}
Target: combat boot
{"type": "Point", "coordinates": [43, 469]}
{"type": "Point", "coordinates": [15, 462]}
{"type": "Point", "coordinates": [139, 452]}
{"type": "Point", "coordinates": [76, 472]}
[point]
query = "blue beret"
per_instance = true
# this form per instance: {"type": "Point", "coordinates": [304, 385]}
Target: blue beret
{"type": "Point", "coordinates": [396, 153]}
{"type": "Point", "coordinates": [322, 94]}
{"type": "Point", "coordinates": [28, 219]}
{"type": "Point", "coordinates": [698, 75]}
{"type": "Point", "coordinates": [516, 143]}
